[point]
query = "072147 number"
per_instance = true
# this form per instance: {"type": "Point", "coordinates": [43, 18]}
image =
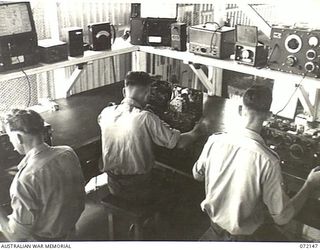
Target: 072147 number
{"type": "Point", "coordinates": [308, 245]}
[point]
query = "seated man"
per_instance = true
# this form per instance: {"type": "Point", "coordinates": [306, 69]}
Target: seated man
{"type": "Point", "coordinates": [129, 133]}
{"type": "Point", "coordinates": [47, 194]}
{"type": "Point", "coordinates": [243, 181]}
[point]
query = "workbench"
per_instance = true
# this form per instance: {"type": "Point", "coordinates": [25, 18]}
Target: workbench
{"type": "Point", "coordinates": [75, 124]}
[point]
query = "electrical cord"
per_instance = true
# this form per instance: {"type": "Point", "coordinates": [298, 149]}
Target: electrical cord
{"type": "Point", "coordinates": [204, 25]}
{"type": "Point", "coordinates": [299, 84]}
{"type": "Point", "coordinates": [214, 32]}
{"type": "Point", "coordinates": [211, 42]}
{"type": "Point", "coordinates": [28, 82]}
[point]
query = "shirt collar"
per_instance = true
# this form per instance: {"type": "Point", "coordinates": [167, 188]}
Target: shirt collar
{"type": "Point", "coordinates": [253, 135]}
{"type": "Point", "coordinates": [131, 102]}
{"type": "Point", "coordinates": [33, 152]}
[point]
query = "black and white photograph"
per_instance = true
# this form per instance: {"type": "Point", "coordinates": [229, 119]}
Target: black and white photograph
{"type": "Point", "coordinates": [159, 124]}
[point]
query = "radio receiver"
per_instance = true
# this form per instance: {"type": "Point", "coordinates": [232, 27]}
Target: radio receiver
{"type": "Point", "coordinates": [18, 37]}
{"type": "Point", "coordinates": [295, 50]}
{"type": "Point", "coordinates": [151, 31]}
{"type": "Point", "coordinates": [211, 40]}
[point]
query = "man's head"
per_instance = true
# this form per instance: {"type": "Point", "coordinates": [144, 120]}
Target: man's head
{"type": "Point", "coordinates": [25, 129]}
{"type": "Point", "coordinates": [257, 102]}
{"type": "Point", "coordinates": [137, 86]}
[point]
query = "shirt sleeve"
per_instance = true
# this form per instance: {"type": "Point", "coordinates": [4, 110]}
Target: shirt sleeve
{"type": "Point", "coordinates": [23, 215]}
{"type": "Point", "coordinates": [274, 195]}
{"type": "Point", "coordinates": [199, 167]}
{"type": "Point", "coordinates": [161, 133]}
{"type": "Point", "coordinates": [100, 116]}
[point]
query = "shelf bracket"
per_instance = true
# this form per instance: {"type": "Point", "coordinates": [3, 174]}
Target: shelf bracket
{"type": "Point", "coordinates": [305, 101]}
{"type": "Point", "coordinates": [73, 78]}
{"type": "Point", "coordinates": [203, 78]}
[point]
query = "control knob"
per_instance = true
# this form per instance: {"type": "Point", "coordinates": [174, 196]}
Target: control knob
{"type": "Point", "coordinates": [310, 66]}
{"type": "Point", "coordinates": [311, 54]}
{"type": "Point", "coordinates": [296, 151]}
{"type": "Point", "coordinates": [291, 61]}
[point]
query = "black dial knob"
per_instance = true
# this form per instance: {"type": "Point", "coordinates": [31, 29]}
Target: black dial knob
{"type": "Point", "coordinates": [291, 61]}
{"type": "Point", "coordinates": [296, 151]}
{"type": "Point", "coordinates": [293, 44]}
{"type": "Point", "coordinates": [310, 66]}
{"type": "Point", "coordinates": [311, 54]}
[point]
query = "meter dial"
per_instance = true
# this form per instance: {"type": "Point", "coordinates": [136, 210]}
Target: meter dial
{"type": "Point", "coordinates": [293, 43]}
{"type": "Point", "coordinates": [245, 54]}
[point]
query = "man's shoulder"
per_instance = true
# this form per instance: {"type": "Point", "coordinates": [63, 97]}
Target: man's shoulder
{"type": "Point", "coordinates": [149, 114]}
{"type": "Point", "coordinates": [41, 163]}
{"type": "Point", "coordinates": [108, 109]}
{"type": "Point", "coordinates": [217, 136]}
{"type": "Point", "coordinates": [51, 155]}
{"type": "Point", "coordinates": [62, 149]}
{"type": "Point", "coordinates": [255, 147]}
{"type": "Point", "coordinates": [270, 154]}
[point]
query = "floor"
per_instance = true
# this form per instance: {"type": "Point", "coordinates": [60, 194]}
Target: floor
{"type": "Point", "coordinates": [183, 220]}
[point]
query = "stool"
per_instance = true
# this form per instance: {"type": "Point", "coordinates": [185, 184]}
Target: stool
{"type": "Point", "coordinates": [137, 214]}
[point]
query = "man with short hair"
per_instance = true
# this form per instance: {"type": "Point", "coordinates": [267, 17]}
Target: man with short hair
{"type": "Point", "coordinates": [47, 193]}
{"type": "Point", "coordinates": [129, 133]}
{"type": "Point", "coordinates": [243, 181]}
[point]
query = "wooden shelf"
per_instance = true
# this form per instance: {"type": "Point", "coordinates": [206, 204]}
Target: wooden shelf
{"type": "Point", "coordinates": [87, 58]}
{"type": "Point", "coordinates": [161, 51]}
{"type": "Point", "coordinates": [228, 64]}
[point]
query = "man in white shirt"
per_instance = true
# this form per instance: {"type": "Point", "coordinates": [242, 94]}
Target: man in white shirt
{"type": "Point", "coordinates": [243, 178]}
{"type": "Point", "coordinates": [47, 193]}
{"type": "Point", "coordinates": [129, 134]}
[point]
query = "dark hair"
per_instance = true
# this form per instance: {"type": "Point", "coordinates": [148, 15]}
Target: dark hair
{"type": "Point", "coordinates": [258, 98]}
{"type": "Point", "coordinates": [137, 78]}
{"type": "Point", "coordinates": [27, 121]}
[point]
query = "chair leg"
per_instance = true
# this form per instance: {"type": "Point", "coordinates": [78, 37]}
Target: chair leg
{"type": "Point", "coordinates": [135, 231]}
{"type": "Point", "coordinates": [110, 226]}
{"type": "Point", "coordinates": [138, 232]}
{"type": "Point", "coordinates": [157, 223]}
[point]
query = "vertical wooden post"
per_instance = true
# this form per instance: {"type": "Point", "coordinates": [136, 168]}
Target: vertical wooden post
{"type": "Point", "coordinates": [139, 61]}
{"type": "Point", "coordinates": [51, 14]}
{"type": "Point", "coordinates": [215, 74]}
{"type": "Point", "coordinates": [316, 105]}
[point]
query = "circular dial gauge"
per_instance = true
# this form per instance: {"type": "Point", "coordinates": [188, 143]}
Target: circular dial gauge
{"type": "Point", "coordinates": [293, 43]}
{"type": "Point", "coordinates": [245, 54]}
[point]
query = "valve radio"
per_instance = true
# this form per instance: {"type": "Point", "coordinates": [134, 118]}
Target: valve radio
{"type": "Point", "coordinates": [210, 40]}
{"type": "Point", "coordinates": [295, 50]}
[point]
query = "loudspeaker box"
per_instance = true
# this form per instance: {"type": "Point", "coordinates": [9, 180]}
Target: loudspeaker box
{"type": "Point", "coordinates": [179, 36]}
